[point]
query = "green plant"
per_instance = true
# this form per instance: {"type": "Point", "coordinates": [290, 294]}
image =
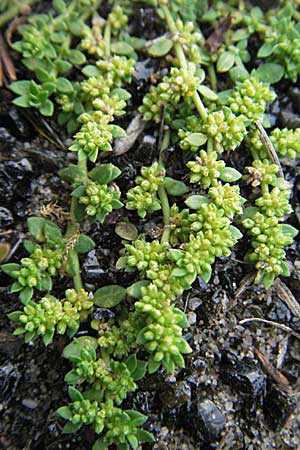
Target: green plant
{"type": "Point", "coordinates": [190, 113]}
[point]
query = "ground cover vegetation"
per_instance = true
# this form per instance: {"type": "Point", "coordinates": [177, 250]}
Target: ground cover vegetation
{"type": "Point", "coordinates": [207, 98]}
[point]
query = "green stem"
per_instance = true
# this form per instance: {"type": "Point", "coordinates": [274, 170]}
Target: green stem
{"type": "Point", "coordinates": [213, 77]}
{"type": "Point", "coordinates": [107, 39]}
{"type": "Point", "coordinates": [162, 194]}
{"type": "Point", "coordinates": [182, 60]}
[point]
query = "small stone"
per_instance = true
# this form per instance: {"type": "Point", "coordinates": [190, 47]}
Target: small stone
{"type": "Point", "coordinates": [210, 420]}
{"type": "Point", "coordinates": [29, 403]}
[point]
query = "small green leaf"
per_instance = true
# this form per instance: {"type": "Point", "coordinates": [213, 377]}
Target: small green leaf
{"type": "Point", "coordinates": [10, 267]}
{"type": "Point", "coordinates": [15, 287]}
{"type": "Point", "coordinates": [121, 93]}
{"type": "Point", "coordinates": [14, 316]}
{"type": "Point", "coordinates": [71, 428]}
{"type": "Point", "coordinates": [109, 296]}
{"type": "Point", "coordinates": [71, 173]}
{"type": "Point", "coordinates": [208, 93]}
{"type": "Point", "coordinates": [47, 108]}
{"type": "Point", "coordinates": [153, 366]}
{"type": "Point", "coordinates": [249, 212]}
{"type": "Point", "coordinates": [74, 394]}
{"type": "Point", "coordinates": [105, 173]}
{"type": "Point", "coordinates": [145, 436]}
{"type": "Point", "coordinates": [91, 71]}
{"type": "Point", "coordinates": [29, 246]}
{"type": "Point", "coordinates": [84, 244]}
{"type": "Point", "coordinates": [225, 62]}
{"type": "Point", "coordinates": [48, 338]}
{"type": "Point", "coordinates": [135, 289]}
{"type": "Point", "coordinates": [289, 230]}
{"type": "Point", "coordinates": [178, 272]}
{"type": "Point", "coordinates": [64, 412]}
{"type": "Point", "coordinates": [78, 192]}
{"type": "Point", "coordinates": [265, 50]}
{"type": "Point", "coordinates": [160, 47]}
{"type": "Point", "coordinates": [140, 370]}
{"type": "Point", "coordinates": [239, 73]}
{"type": "Point", "coordinates": [46, 282]}
{"type": "Point", "coordinates": [76, 57]}
{"type": "Point", "coordinates": [127, 231]}
{"type": "Point", "coordinates": [229, 175]}
{"type": "Point", "coordinates": [131, 362]}
{"type": "Point", "coordinates": [100, 445]}
{"type": "Point", "coordinates": [20, 87]}
{"type": "Point", "coordinates": [267, 280]}
{"type": "Point", "coordinates": [23, 101]}
{"type": "Point", "coordinates": [182, 322]}
{"type": "Point", "coordinates": [121, 48]}
{"type": "Point", "coordinates": [175, 187]}
{"type": "Point", "coordinates": [196, 139]}
{"type": "Point", "coordinates": [64, 85]}
{"type": "Point", "coordinates": [73, 378]}
{"type": "Point", "coordinates": [117, 132]}
{"type": "Point", "coordinates": [26, 295]}
{"type": "Point", "coordinates": [60, 7]}
{"type": "Point", "coordinates": [73, 350]}
{"type": "Point", "coordinates": [195, 201]}
{"type": "Point", "coordinates": [285, 271]}
{"type": "Point", "coordinates": [205, 275]}
{"type": "Point", "coordinates": [52, 232]}
{"type": "Point", "coordinates": [132, 439]}
{"type": "Point", "coordinates": [269, 73]}
{"type": "Point", "coordinates": [36, 228]}
{"type": "Point", "coordinates": [235, 233]}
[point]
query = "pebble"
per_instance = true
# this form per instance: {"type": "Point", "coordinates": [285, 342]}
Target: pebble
{"type": "Point", "coordinates": [29, 403]}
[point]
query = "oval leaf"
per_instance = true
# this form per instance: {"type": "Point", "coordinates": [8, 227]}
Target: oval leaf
{"type": "Point", "coordinates": [161, 47]}
{"type": "Point", "coordinates": [109, 296]}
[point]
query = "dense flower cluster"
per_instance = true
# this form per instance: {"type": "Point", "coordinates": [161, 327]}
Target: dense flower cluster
{"type": "Point", "coordinates": [206, 169]}
{"type": "Point", "coordinates": [100, 199]}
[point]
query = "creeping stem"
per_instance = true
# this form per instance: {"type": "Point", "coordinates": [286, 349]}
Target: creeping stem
{"type": "Point", "coordinates": [163, 194]}
{"type": "Point", "coordinates": [182, 60]}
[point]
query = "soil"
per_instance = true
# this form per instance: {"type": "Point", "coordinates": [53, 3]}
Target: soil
{"type": "Point", "coordinates": [240, 387]}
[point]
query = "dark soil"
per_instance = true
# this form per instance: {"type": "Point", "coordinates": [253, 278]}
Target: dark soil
{"type": "Point", "coordinates": [225, 398]}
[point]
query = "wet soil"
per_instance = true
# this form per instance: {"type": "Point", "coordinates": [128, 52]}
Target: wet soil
{"type": "Point", "coordinates": [228, 397]}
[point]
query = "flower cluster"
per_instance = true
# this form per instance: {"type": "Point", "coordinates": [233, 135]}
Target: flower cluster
{"type": "Point", "coordinates": [100, 199]}
{"type": "Point", "coordinates": [206, 169]}
{"type": "Point", "coordinates": [143, 197]}
{"type": "Point", "coordinates": [51, 315]}
{"type": "Point", "coordinates": [166, 95]}
{"type": "Point", "coordinates": [249, 99]}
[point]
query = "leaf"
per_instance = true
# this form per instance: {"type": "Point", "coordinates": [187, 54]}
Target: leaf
{"type": "Point", "coordinates": [153, 366]}
{"type": "Point", "coordinates": [10, 267]}
{"type": "Point", "coordinates": [26, 295]}
{"type": "Point", "coordinates": [131, 362]}
{"type": "Point", "coordinates": [36, 228]}
{"type": "Point", "coordinates": [14, 316]}
{"type": "Point", "coordinates": [136, 417]}
{"type": "Point", "coordinates": [196, 139]}
{"type": "Point", "coordinates": [47, 108]}
{"type": "Point", "coordinates": [23, 101]}
{"type": "Point", "coordinates": [205, 275]}
{"type": "Point", "coordinates": [182, 322]}
{"type": "Point", "coordinates": [285, 270]}
{"type": "Point", "coordinates": [71, 428]}
{"type": "Point", "coordinates": [121, 48]}
{"type": "Point", "coordinates": [71, 173]}
{"type": "Point", "coordinates": [145, 436]}
{"type": "Point", "coordinates": [195, 201]}
{"type": "Point", "coordinates": [73, 350]}
{"type": "Point", "coordinates": [105, 173]}
{"type": "Point", "coordinates": [64, 85]}
{"type": "Point", "coordinates": [91, 71]}
{"type": "Point", "coordinates": [117, 132]}
{"type": "Point", "coordinates": [175, 187]}
{"type": "Point", "coordinates": [84, 244]}
{"type": "Point", "coordinates": [168, 364]}
{"type": "Point", "coordinates": [100, 445]}
{"type": "Point", "coordinates": [140, 370]}
{"type": "Point", "coordinates": [62, 66]}
{"type": "Point", "coordinates": [269, 72]}
{"type": "Point", "coordinates": [121, 93]}
{"type": "Point", "coordinates": [229, 175]}
{"type": "Point", "coordinates": [160, 47]}
{"type": "Point", "coordinates": [249, 212]}
{"type": "Point", "coordinates": [133, 441]}
{"type": "Point", "coordinates": [109, 296]}
{"type": "Point", "coordinates": [135, 289]}
{"type": "Point", "coordinates": [46, 282]}
{"type": "Point", "coordinates": [127, 231]}
{"type": "Point", "coordinates": [207, 93]}
{"type": "Point", "coordinates": [64, 412]}
{"type": "Point", "coordinates": [267, 280]}
{"type": "Point", "coordinates": [78, 192]}
{"type": "Point", "coordinates": [225, 62]}
{"type": "Point", "coordinates": [76, 57]}
{"type": "Point", "coordinates": [52, 232]}
{"type": "Point", "coordinates": [20, 87]}
{"type": "Point", "coordinates": [235, 233]}
{"type": "Point", "coordinates": [239, 73]}
{"type": "Point", "coordinates": [73, 267]}
{"type": "Point", "coordinates": [15, 287]}
{"type": "Point", "coordinates": [48, 338]}
{"type": "Point", "coordinates": [74, 394]}
{"type": "Point", "coordinates": [265, 50]}
{"type": "Point", "coordinates": [178, 272]}
{"type": "Point", "coordinates": [73, 378]}
{"type": "Point", "coordinates": [288, 230]}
